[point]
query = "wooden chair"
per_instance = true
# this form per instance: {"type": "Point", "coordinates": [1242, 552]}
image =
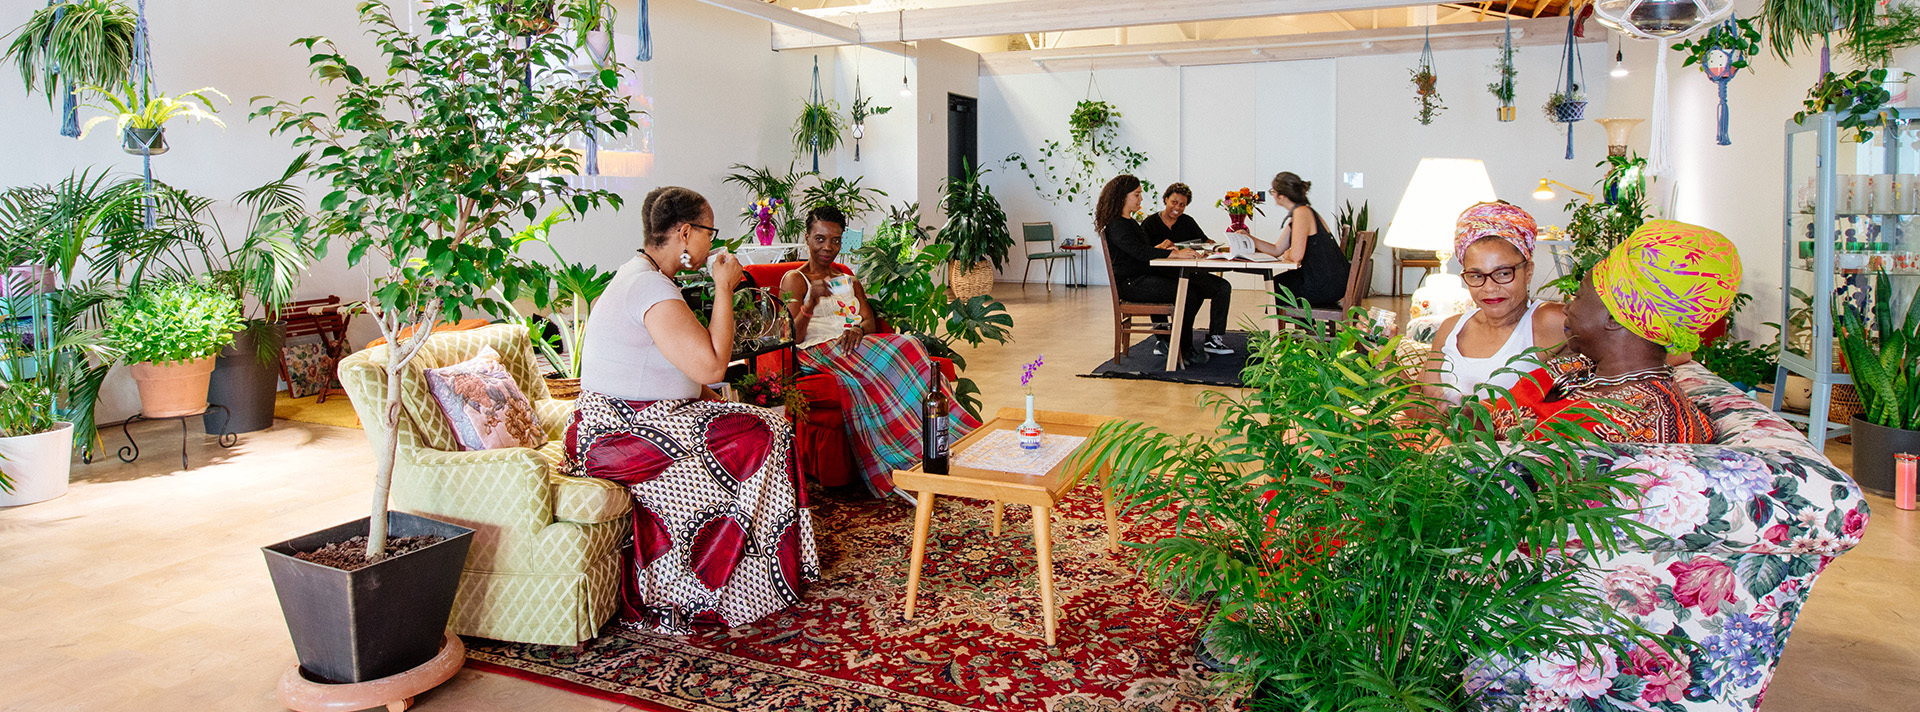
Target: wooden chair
{"type": "Point", "coordinates": [1124, 312]}
{"type": "Point", "coordinates": [1424, 260]}
{"type": "Point", "coordinates": [1358, 279]}
{"type": "Point", "coordinates": [1042, 232]}
{"type": "Point", "coordinates": [324, 318]}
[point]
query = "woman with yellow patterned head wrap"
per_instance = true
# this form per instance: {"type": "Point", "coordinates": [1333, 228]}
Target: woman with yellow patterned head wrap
{"type": "Point", "coordinates": [1652, 294]}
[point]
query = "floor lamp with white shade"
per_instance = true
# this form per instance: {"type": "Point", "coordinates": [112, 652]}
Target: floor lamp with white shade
{"type": "Point", "coordinates": [1441, 188]}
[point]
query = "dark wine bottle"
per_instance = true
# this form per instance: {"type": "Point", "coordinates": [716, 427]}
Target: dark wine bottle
{"type": "Point", "coordinates": [933, 430]}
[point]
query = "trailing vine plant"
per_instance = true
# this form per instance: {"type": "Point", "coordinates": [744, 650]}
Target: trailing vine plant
{"type": "Point", "coordinates": [1858, 98]}
{"type": "Point", "coordinates": [1504, 72]}
{"type": "Point", "coordinates": [1426, 87]}
{"type": "Point", "coordinates": [1093, 153]}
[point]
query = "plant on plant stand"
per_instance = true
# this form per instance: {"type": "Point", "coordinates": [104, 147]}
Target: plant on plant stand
{"type": "Point", "coordinates": [78, 43]}
{"type": "Point", "coordinates": [976, 232]}
{"type": "Point", "coordinates": [898, 275]}
{"type": "Point", "coordinates": [143, 118]}
{"type": "Point", "coordinates": [1886, 374]}
{"type": "Point", "coordinates": [1363, 559]}
{"type": "Point", "coordinates": [169, 332]}
{"type": "Point", "coordinates": [426, 171]}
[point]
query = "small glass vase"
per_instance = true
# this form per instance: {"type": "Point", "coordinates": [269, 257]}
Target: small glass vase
{"type": "Point", "coordinates": [1238, 222]}
{"type": "Point", "coordinates": [765, 231]}
{"type": "Point", "coordinates": [1030, 431]}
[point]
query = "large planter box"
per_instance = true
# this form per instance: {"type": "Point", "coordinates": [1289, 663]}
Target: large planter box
{"type": "Point", "coordinates": [1873, 449]}
{"type": "Point", "coordinates": [381, 620]}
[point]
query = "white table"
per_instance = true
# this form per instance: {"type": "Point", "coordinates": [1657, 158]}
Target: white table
{"type": "Point", "coordinates": [1187, 267]}
{"type": "Point", "coordinates": [754, 253]}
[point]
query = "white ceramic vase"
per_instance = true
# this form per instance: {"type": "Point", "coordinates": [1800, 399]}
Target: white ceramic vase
{"type": "Point", "coordinates": [38, 464]}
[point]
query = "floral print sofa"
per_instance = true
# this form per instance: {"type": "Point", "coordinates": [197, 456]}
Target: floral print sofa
{"type": "Point", "coordinates": [1748, 523]}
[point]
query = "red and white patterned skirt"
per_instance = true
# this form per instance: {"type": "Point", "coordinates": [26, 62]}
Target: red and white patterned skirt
{"type": "Point", "coordinates": [721, 530]}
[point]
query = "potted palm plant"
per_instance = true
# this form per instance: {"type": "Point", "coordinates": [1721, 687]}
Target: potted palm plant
{"type": "Point", "coordinates": [169, 331]}
{"type": "Point", "coordinates": [976, 234]}
{"type": "Point", "coordinates": [77, 43]}
{"type": "Point", "coordinates": [36, 445]}
{"type": "Point", "coordinates": [1365, 542]}
{"type": "Point", "coordinates": [143, 116]}
{"type": "Point", "coordinates": [1886, 374]}
{"type": "Point", "coordinates": [427, 206]}
{"type": "Point", "coordinates": [559, 334]}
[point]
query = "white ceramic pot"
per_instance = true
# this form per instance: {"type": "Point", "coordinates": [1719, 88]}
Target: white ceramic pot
{"type": "Point", "coordinates": [38, 464]}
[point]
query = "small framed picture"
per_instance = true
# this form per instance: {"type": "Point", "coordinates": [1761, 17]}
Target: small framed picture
{"type": "Point", "coordinates": [1260, 196]}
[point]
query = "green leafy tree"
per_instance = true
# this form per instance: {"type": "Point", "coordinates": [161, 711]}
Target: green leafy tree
{"type": "Point", "coordinates": [430, 159]}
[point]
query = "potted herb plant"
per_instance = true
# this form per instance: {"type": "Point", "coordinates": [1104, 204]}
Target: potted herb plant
{"type": "Point", "coordinates": [77, 43]}
{"type": "Point", "coordinates": [1358, 556]}
{"type": "Point", "coordinates": [427, 207]}
{"type": "Point", "coordinates": [169, 332]}
{"type": "Point", "coordinates": [143, 117]}
{"type": "Point", "coordinates": [976, 234]}
{"type": "Point", "coordinates": [1886, 375]}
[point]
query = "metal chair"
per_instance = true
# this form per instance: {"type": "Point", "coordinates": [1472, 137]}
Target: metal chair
{"type": "Point", "coordinates": [1042, 232]}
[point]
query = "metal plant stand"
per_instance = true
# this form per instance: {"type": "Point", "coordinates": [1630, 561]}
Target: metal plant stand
{"type": "Point", "coordinates": [131, 451]}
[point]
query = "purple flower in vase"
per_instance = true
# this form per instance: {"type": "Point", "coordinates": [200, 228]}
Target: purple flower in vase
{"type": "Point", "coordinates": [1026, 372]}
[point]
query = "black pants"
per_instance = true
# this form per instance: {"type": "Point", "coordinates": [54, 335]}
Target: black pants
{"type": "Point", "coordinates": [1160, 289]}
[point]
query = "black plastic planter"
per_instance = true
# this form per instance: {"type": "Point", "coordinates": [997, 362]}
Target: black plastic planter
{"type": "Point", "coordinates": [385, 619]}
{"type": "Point", "coordinates": [1873, 449]}
{"type": "Point", "coordinates": [244, 385]}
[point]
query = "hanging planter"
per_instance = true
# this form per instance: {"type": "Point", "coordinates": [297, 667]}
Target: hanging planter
{"type": "Point", "coordinates": [1504, 72]}
{"type": "Point", "coordinates": [75, 44]}
{"type": "Point", "coordinates": [1568, 104]}
{"type": "Point", "coordinates": [1858, 99]}
{"type": "Point", "coordinates": [818, 129]}
{"type": "Point", "coordinates": [862, 108]}
{"type": "Point", "coordinates": [1722, 53]}
{"type": "Point", "coordinates": [144, 142]}
{"type": "Point", "coordinates": [1426, 86]}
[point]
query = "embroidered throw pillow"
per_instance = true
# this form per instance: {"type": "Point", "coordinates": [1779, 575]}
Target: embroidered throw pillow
{"type": "Point", "coordinates": [308, 369]}
{"type": "Point", "coordinates": [483, 405]}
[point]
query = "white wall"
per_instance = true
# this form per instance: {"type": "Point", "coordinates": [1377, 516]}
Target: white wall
{"type": "Point", "coordinates": [942, 69]}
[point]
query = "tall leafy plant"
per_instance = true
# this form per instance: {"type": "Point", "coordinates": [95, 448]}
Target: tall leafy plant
{"type": "Point", "coordinates": [1365, 559]}
{"type": "Point", "coordinates": [559, 334]}
{"type": "Point", "coordinates": [80, 43]}
{"type": "Point", "coordinates": [430, 160]}
{"type": "Point", "coordinates": [853, 199]}
{"type": "Point", "coordinates": [898, 276]}
{"type": "Point", "coordinates": [976, 226]}
{"type": "Point", "coordinates": [1886, 366]}
{"type": "Point", "coordinates": [1794, 25]}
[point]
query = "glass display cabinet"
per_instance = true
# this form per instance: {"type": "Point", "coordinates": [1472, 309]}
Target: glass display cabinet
{"type": "Point", "coordinates": [1851, 211]}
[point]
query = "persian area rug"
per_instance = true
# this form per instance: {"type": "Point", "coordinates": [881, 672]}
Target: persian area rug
{"type": "Point", "coordinates": [976, 643]}
{"type": "Point", "coordinates": [1142, 362]}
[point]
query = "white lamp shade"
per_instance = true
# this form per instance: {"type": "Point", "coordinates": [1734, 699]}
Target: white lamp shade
{"type": "Point", "coordinates": [1441, 188]}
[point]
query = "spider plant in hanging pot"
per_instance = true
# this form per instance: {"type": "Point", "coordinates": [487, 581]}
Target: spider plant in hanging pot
{"type": "Point", "coordinates": [82, 43]}
{"type": "Point", "coordinates": [142, 121]}
{"type": "Point", "coordinates": [818, 128]}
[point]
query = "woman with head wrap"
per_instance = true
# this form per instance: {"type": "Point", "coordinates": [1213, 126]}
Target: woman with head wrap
{"type": "Point", "coordinates": [1652, 295]}
{"type": "Point", "coordinates": [1494, 242]}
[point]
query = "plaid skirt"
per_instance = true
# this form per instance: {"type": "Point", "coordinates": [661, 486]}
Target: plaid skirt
{"type": "Point", "coordinates": [886, 377]}
{"type": "Point", "coordinates": [721, 531]}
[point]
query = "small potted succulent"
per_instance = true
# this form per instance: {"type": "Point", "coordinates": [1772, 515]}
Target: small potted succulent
{"type": "Point", "coordinates": [169, 332]}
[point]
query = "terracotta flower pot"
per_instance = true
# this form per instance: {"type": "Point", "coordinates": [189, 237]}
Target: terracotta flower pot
{"type": "Point", "coordinates": [173, 389]}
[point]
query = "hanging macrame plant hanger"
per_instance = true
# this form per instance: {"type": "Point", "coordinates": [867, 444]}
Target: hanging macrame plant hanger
{"type": "Point", "coordinates": [1426, 83]}
{"type": "Point", "coordinates": [1506, 71]}
{"type": "Point", "coordinates": [1572, 111]}
{"type": "Point", "coordinates": [816, 100]}
{"type": "Point", "coordinates": [141, 74]}
{"type": "Point", "coordinates": [1720, 67]}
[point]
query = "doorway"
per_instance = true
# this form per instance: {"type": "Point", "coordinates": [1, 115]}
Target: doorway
{"type": "Point", "coordinates": [963, 134]}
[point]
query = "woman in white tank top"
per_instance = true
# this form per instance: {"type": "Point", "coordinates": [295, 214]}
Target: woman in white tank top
{"type": "Point", "coordinates": [1494, 242]}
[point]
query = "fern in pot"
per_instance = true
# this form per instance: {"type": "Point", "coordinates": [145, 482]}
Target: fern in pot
{"type": "Point", "coordinates": [976, 234]}
{"type": "Point", "coordinates": [168, 333]}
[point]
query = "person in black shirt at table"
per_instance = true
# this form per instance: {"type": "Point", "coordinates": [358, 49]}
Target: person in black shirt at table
{"type": "Point", "coordinates": [1173, 225]}
{"type": "Point", "coordinates": [1321, 279]}
{"type": "Point", "coordinates": [1137, 280]}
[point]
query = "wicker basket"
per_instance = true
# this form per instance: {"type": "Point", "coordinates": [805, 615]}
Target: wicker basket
{"type": "Point", "coordinates": [1845, 404]}
{"type": "Point", "coordinates": [969, 283]}
{"type": "Point", "coordinates": [563, 388]}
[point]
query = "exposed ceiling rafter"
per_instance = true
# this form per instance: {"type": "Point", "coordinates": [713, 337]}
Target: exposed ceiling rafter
{"type": "Point", "coordinates": [826, 32]}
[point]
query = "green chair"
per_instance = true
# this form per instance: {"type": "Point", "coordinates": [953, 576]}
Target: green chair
{"type": "Point", "coordinates": [1042, 233]}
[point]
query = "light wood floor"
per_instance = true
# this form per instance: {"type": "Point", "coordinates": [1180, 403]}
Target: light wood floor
{"type": "Point", "coordinates": [144, 587]}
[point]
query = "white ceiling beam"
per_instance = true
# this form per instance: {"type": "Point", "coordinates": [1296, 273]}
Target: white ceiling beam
{"type": "Point", "coordinates": [1549, 31]}
{"type": "Point", "coordinates": [1017, 16]}
{"type": "Point", "coordinates": [803, 24]}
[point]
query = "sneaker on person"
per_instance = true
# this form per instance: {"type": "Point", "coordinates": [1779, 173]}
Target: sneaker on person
{"type": "Point", "coordinates": [1216, 344]}
{"type": "Point", "coordinates": [1193, 357]}
{"type": "Point", "coordinates": [1159, 346]}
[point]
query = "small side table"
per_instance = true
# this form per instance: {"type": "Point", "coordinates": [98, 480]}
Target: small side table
{"type": "Point", "coordinates": [1080, 262]}
{"type": "Point", "coordinates": [1043, 493]}
{"type": "Point", "coordinates": [131, 451]}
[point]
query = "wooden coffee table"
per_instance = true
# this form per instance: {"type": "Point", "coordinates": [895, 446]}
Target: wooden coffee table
{"type": "Point", "coordinates": [1043, 493]}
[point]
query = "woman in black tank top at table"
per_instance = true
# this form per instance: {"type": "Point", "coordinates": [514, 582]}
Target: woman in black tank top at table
{"type": "Point", "coordinates": [1321, 279]}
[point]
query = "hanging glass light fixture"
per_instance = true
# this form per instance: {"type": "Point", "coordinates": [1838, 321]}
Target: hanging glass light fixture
{"type": "Point", "coordinates": [1661, 19]}
{"type": "Point", "coordinates": [1619, 59]}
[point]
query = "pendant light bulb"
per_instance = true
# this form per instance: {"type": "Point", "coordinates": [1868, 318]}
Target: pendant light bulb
{"type": "Point", "coordinates": [901, 29]}
{"type": "Point", "coordinates": [1619, 63]}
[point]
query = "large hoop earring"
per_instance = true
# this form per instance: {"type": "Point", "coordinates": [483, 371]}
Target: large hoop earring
{"type": "Point", "coordinates": [686, 260]}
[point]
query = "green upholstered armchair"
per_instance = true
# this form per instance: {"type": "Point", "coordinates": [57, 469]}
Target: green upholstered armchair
{"type": "Point", "coordinates": [545, 564]}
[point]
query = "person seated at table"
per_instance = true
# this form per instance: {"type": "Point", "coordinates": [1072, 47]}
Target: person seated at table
{"type": "Point", "coordinates": [641, 421]}
{"type": "Point", "coordinates": [1171, 226]}
{"type": "Point", "coordinates": [886, 375]}
{"type": "Point", "coordinates": [1494, 241]}
{"type": "Point", "coordinates": [1652, 295]}
{"type": "Point", "coordinates": [1133, 253]}
{"type": "Point", "coordinates": [1321, 279]}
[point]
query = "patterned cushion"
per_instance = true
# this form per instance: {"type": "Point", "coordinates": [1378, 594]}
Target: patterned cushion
{"type": "Point", "coordinates": [482, 405]}
{"type": "Point", "coordinates": [308, 369]}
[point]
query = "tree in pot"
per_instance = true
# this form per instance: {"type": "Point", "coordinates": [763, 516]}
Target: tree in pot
{"type": "Point", "coordinates": [426, 169]}
{"type": "Point", "coordinates": [169, 332]}
{"type": "Point", "coordinates": [976, 234]}
{"type": "Point", "coordinates": [1370, 548]}
{"type": "Point", "coordinates": [1885, 361]}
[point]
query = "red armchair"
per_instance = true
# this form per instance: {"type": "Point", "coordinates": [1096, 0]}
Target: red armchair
{"type": "Point", "coordinates": [821, 450]}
